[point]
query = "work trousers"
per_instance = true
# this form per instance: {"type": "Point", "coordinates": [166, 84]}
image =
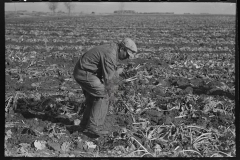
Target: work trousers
{"type": "Point", "coordinates": [96, 101]}
{"type": "Point", "coordinates": [95, 111]}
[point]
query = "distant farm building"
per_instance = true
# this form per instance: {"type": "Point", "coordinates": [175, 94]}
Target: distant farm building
{"type": "Point", "coordinates": [157, 13]}
{"type": "Point", "coordinates": [205, 13]}
{"type": "Point", "coordinates": [124, 12]}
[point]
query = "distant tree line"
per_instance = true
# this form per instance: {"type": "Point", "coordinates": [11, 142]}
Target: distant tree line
{"type": "Point", "coordinates": [54, 5]}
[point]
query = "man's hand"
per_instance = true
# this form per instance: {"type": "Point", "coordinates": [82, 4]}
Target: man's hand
{"type": "Point", "coordinates": [119, 70]}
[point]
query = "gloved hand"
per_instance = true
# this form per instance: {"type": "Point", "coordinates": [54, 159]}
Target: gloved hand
{"type": "Point", "coordinates": [119, 70]}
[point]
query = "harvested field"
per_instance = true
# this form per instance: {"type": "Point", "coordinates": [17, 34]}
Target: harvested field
{"type": "Point", "coordinates": [177, 99]}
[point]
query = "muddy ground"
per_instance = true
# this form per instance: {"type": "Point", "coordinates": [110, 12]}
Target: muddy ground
{"type": "Point", "coordinates": [53, 120]}
{"type": "Point", "coordinates": [177, 99]}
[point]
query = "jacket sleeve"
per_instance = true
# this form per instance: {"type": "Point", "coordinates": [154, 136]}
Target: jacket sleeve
{"type": "Point", "coordinates": [109, 66]}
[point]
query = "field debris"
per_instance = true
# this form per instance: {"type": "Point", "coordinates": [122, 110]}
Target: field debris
{"type": "Point", "coordinates": [39, 145]}
{"type": "Point", "coordinates": [176, 99]}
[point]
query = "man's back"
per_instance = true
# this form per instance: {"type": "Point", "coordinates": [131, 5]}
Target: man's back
{"type": "Point", "coordinates": [96, 58]}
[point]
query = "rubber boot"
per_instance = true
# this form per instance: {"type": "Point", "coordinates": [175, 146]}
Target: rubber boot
{"type": "Point", "coordinates": [96, 132]}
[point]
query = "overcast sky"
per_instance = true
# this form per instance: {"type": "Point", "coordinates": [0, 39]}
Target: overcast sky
{"type": "Point", "coordinates": [109, 7]}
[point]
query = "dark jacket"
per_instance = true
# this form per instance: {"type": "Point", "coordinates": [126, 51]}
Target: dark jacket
{"type": "Point", "coordinates": [101, 64]}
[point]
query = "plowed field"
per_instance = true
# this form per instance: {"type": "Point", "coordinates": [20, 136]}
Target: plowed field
{"type": "Point", "coordinates": [176, 99]}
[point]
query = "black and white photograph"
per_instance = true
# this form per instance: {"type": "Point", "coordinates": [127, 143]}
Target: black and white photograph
{"type": "Point", "coordinates": [120, 79]}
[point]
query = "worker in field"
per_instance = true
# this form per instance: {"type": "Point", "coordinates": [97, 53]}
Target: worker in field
{"type": "Point", "coordinates": [93, 72]}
